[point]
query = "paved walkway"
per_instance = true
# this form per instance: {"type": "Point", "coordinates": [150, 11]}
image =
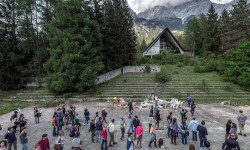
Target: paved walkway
{"type": "Point", "coordinates": [215, 116]}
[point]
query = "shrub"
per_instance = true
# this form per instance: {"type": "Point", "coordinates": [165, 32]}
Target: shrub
{"type": "Point", "coordinates": [162, 76]}
{"type": "Point", "coordinates": [53, 103]}
{"type": "Point", "coordinates": [67, 95]}
{"type": "Point", "coordinates": [204, 85]}
{"type": "Point", "coordinates": [179, 64]}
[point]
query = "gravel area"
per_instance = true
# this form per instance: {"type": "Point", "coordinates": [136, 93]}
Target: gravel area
{"type": "Point", "coordinates": [215, 115]}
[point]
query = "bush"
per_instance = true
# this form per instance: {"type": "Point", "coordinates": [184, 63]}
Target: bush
{"type": "Point", "coordinates": [147, 69]}
{"type": "Point", "coordinates": [204, 85]}
{"type": "Point", "coordinates": [179, 64]}
{"type": "Point", "coordinates": [53, 103]}
{"type": "Point", "coordinates": [67, 95]}
{"type": "Point", "coordinates": [162, 76]}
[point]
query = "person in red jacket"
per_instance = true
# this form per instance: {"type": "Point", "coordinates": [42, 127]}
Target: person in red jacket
{"type": "Point", "coordinates": [104, 135]}
{"type": "Point", "coordinates": [44, 142]}
{"type": "Point", "coordinates": [139, 133]}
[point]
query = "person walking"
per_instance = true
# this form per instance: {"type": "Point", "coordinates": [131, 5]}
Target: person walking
{"type": "Point", "coordinates": [122, 127]}
{"type": "Point", "coordinates": [228, 128]}
{"type": "Point", "coordinates": [23, 137]}
{"type": "Point", "coordinates": [98, 130]}
{"type": "Point", "coordinates": [174, 131]}
{"type": "Point", "coordinates": [130, 106]}
{"type": "Point", "coordinates": [242, 120]}
{"type": "Point", "coordinates": [202, 133]}
{"type": "Point", "coordinates": [44, 142]}
{"type": "Point", "coordinates": [104, 115]}
{"type": "Point", "coordinates": [54, 124]}
{"type": "Point", "coordinates": [193, 106]}
{"type": "Point", "coordinates": [184, 132]}
{"type": "Point", "coordinates": [86, 116]}
{"type": "Point", "coordinates": [111, 132]}
{"type": "Point", "coordinates": [10, 136]}
{"type": "Point", "coordinates": [104, 138]}
{"type": "Point", "coordinates": [193, 127]}
{"type": "Point", "coordinates": [152, 136]}
{"type": "Point", "coordinates": [139, 133]}
{"type": "Point", "coordinates": [231, 143]}
{"type": "Point", "coordinates": [77, 142]}
{"type": "Point", "coordinates": [150, 121]}
{"type": "Point", "coordinates": [189, 99]}
{"type": "Point", "coordinates": [158, 118]}
{"type": "Point", "coordinates": [60, 141]}
{"type": "Point", "coordinates": [130, 142]}
{"type": "Point", "coordinates": [169, 121]}
{"type": "Point", "coordinates": [136, 123]}
{"type": "Point", "coordinates": [92, 130]}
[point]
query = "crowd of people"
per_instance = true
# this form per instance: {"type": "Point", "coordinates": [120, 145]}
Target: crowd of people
{"type": "Point", "coordinates": [67, 118]}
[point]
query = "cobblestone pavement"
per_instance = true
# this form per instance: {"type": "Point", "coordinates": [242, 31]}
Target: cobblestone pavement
{"type": "Point", "coordinates": [215, 115]}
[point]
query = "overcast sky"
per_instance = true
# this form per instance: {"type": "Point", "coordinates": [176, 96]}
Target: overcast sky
{"type": "Point", "coordinates": [141, 5]}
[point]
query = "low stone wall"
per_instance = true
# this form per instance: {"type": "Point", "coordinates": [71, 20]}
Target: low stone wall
{"type": "Point", "coordinates": [109, 75]}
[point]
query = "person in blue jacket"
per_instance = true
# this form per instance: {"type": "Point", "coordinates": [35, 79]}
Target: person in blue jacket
{"type": "Point", "coordinates": [130, 142]}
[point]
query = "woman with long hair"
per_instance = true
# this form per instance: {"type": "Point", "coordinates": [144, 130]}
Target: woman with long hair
{"type": "Point", "coordinates": [60, 141]}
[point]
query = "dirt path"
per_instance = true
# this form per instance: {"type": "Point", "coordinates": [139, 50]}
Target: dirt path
{"type": "Point", "coordinates": [215, 116]}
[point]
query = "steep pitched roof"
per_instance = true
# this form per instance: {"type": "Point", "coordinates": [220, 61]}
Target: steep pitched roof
{"type": "Point", "coordinates": [176, 43]}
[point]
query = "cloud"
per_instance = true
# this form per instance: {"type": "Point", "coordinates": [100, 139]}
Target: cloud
{"type": "Point", "coordinates": [141, 5]}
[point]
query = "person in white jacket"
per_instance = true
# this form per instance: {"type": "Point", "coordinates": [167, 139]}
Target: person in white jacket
{"type": "Point", "coordinates": [111, 132]}
{"type": "Point", "coordinates": [193, 127]}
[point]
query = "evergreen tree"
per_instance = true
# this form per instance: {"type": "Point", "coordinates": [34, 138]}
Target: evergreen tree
{"type": "Point", "coordinates": [240, 26]}
{"type": "Point", "coordinates": [212, 41]}
{"type": "Point", "coordinates": [225, 22]}
{"type": "Point", "coordinates": [74, 53]}
{"type": "Point", "coordinates": [9, 55]}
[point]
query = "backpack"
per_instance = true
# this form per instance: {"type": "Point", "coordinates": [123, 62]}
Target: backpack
{"type": "Point", "coordinates": [193, 106]}
{"type": "Point", "coordinates": [72, 133]}
{"type": "Point", "coordinates": [242, 119]}
{"type": "Point", "coordinates": [76, 142]}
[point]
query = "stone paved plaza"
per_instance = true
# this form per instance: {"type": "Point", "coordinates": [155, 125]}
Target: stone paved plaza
{"type": "Point", "coordinates": [215, 115]}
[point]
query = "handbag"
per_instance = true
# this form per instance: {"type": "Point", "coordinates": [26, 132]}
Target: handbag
{"type": "Point", "coordinates": [150, 135]}
{"type": "Point", "coordinates": [58, 147]}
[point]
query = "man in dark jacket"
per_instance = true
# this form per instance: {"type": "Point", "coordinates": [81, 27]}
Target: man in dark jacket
{"type": "Point", "coordinates": [157, 118]}
{"type": "Point", "coordinates": [10, 136]}
{"type": "Point", "coordinates": [202, 133]}
{"type": "Point", "coordinates": [130, 142]}
{"type": "Point", "coordinates": [104, 115]}
{"type": "Point", "coordinates": [231, 143]}
{"type": "Point", "coordinates": [92, 130]}
{"type": "Point", "coordinates": [98, 130]}
{"type": "Point", "coordinates": [136, 123]}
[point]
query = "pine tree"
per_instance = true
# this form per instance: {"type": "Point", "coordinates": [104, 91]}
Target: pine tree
{"type": "Point", "coordinates": [74, 53]}
{"type": "Point", "coordinates": [212, 41]}
{"type": "Point", "coordinates": [225, 22]}
{"type": "Point", "coordinates": [240, 25]}
{"type": "Point", "coordinates": [9, 54]}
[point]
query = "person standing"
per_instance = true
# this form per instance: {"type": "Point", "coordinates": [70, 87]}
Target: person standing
{"type": "Point", "coordinates": [136, 123]}
{"type": "Point", "coordinates": [10, 136]}
{"type": "Point", "coordinates": [183, 114]}
{"type": "Point", "coordinates": [169, 121]}
{"type": "Point", "coordinates": [193, 127]}
{"type": "Point", "coordinates": [23, 137]}
{"type": "Point", "coordinates": [122, 127]}
{"type": "Point", "coordinates": [37, 115]}
{"type": "Point", "coordinates": [242, 120]}
{"type": "Point", "coordinates": [77, 143]}
{"type": "Point", "coordinates": [98, 130]}
{"type": "Point", "coordinates": [54, 124]}
{"type": "Point", "coordinates": [184, 130]}
{"type": "Point", "coordinates": [104, 137]}
{"type": "Point", "coordinates": [158, 118]}
{"type": "Point", "coordinates": [174, 131]}
{"type": "Point", "coordinates": [60, 141]}
{"type": "Point", "coordinates": [104, 115]}
{"type": "Point", "coordinates": [189, 99]}
{"type": "Point", "coordinates": [112, 132]}
{"type": "Point", "coordinates": [130, 106]}
{"type": "Point", "coordinates": [86, 116]}
{"type": "Point", "coordinates": [92, 130]}
{"type": "Point", "coordinates": [228, 128]}
{"type": "Point", "coordinates": [130, 142]}
{"type": "Point", "coordinates": [231, 143]}
{"type": "Point", "coordinates": [150, 121]}
{"type": "Point", "coordinates": [202, 133]}
{"type": "Point", "coordinates": [3, 145]}
{"type": "Point", "coordinates": [44, 142]}
{"type": "Point", "coordinates": [139, 133]}
{"type": "Point", "coordinates": [193, 106]}
{"type": "Point", "coordinates": [131, 119]}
